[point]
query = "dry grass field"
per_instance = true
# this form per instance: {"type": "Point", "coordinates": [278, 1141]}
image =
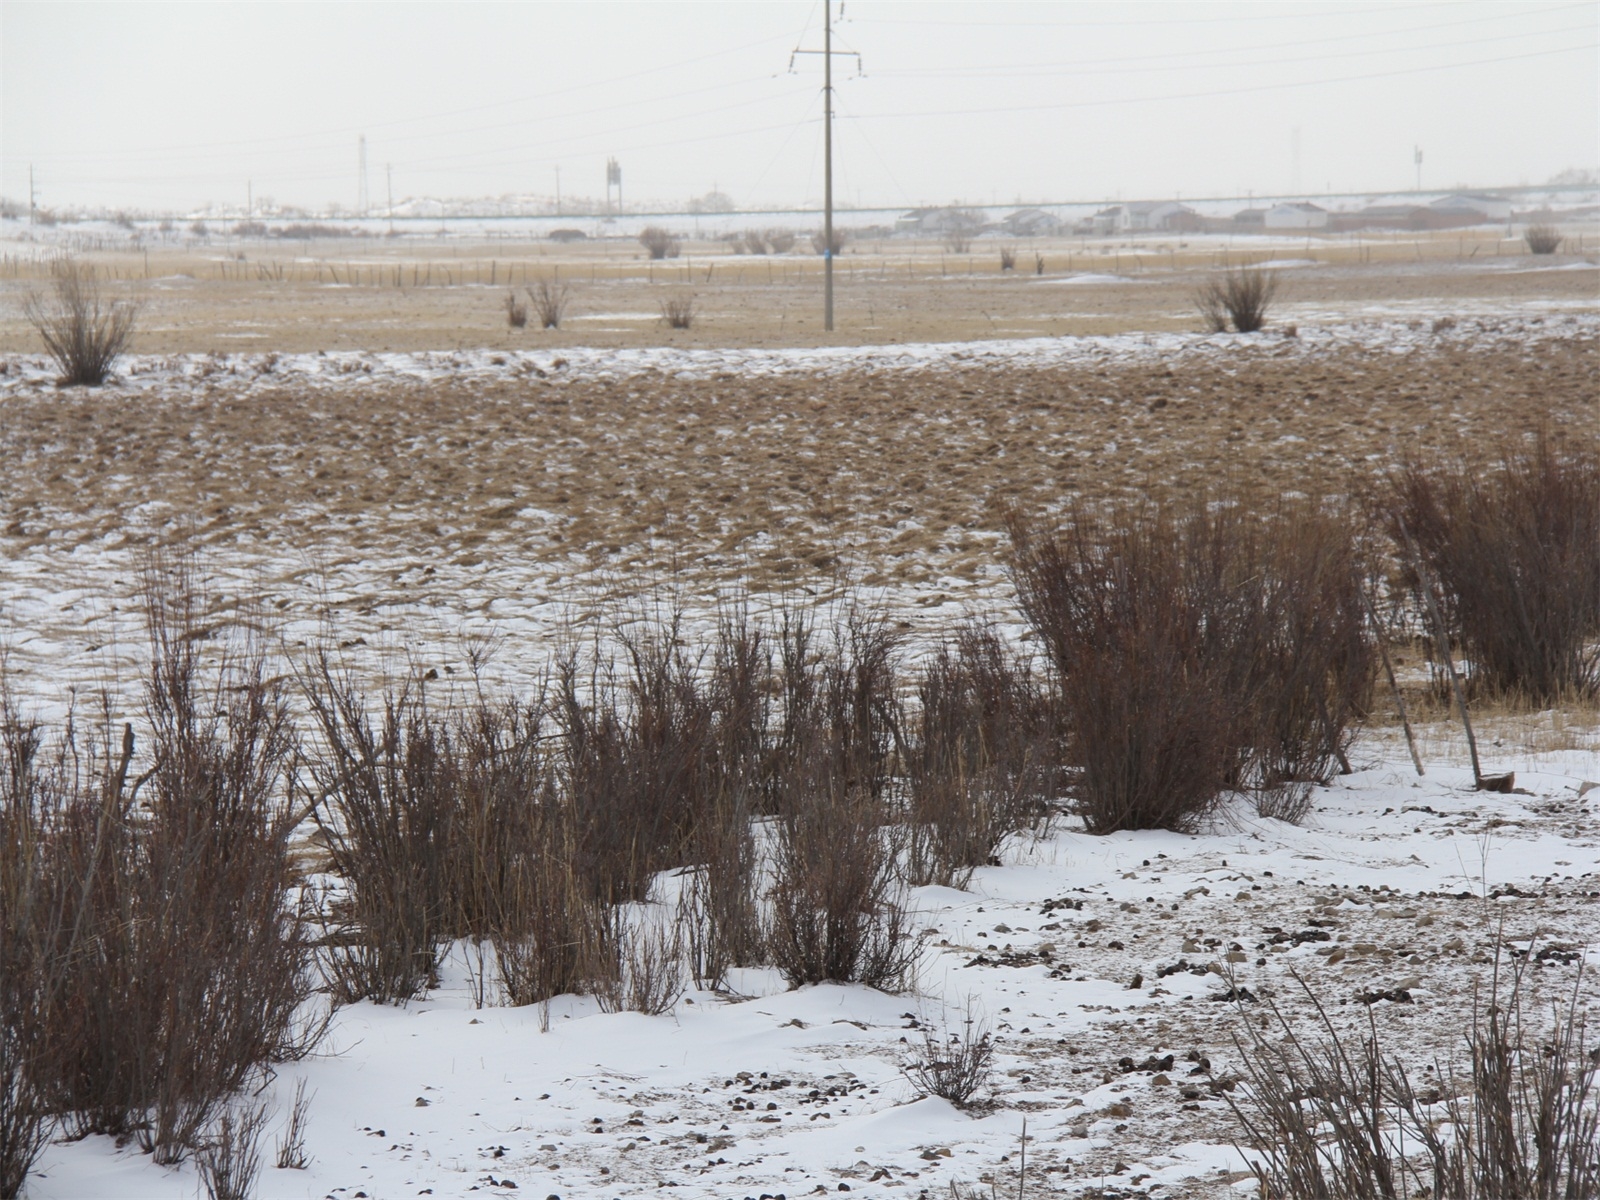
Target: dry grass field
{"type": "Point", "coordinates": [534, 478]}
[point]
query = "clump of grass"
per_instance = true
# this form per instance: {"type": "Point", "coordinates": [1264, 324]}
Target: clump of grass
{"type": "Point", "coordinates": [550, 302]}
{"type": "Point", "coordinates": [1521, 1117]}
{"type": "Point", "coordinates": [83, 331]}
{"type": "Point", "coordinates": [1240, 297]}
{"type": "Point", "coordinates": [1514, 547]}
{"type": "Point", "coordinates": [516, 311]}
{"type": "Point", "coordinates": [954, 1065]}
{"type": "Point", "coordinates": [678, 311]}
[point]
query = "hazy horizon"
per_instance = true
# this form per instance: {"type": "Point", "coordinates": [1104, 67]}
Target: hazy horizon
{"type": "Point", "coordinates": [168, 107]}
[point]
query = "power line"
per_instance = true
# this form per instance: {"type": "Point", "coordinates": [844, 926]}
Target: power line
{"type": "Point", "coordinates": [1195, 63]}
{"type": "Point", "coordinates": [1102, 102]}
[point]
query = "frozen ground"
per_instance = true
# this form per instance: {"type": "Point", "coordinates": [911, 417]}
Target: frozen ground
{"type": "Point", "coordinates": [1394, 882]}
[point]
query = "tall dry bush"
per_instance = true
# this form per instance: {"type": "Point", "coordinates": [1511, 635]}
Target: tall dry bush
{"type": "Point", "coordinates": [980, 759]}
{"type": "Point", "coordinates": [1514, 547]}
{"type": "Point", "coordinates": [1324, 1115]}
{"type": "Point", "coordinates": [386, 791]}
{"type": "Point", "coordinates": [1196, 651]}
{"type": "Point", "coordinates": [837, 909]}
{"type": "Point", "coordinates": [1240, 297]}
{"type": "Point", "coordinates": [1542, 239]}
{"type": "Point", "coordinates": [36, 943]}
{"type": "Point", "coordinates": [1317, 658]}
{"type": "Point", "coordinates": [191, 969]}
{"type": "Point", "coordinates": [82, 330]}
{"type": "Point", "coordinates": [659, 243]}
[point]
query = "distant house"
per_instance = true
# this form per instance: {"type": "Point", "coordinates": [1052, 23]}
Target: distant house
{"type": "Point", "coordinates": [1146, 216]}
{"type": "Point", "coordinates": [1032, 222]}
{"type": "Point", "coordinates": [1250, 218]}
{"type": "Point", "coordinates": [1405, 216]}
{"type": "Point", "coordinates": [939, 221]}
{"type": "Point", "coordinates": [1486, 207]}
{"type": "Point", "coordinates": [1295, 215]}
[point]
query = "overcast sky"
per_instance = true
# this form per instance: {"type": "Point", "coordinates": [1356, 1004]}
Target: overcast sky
{"type": "Point", "coordinates": [165, 107]}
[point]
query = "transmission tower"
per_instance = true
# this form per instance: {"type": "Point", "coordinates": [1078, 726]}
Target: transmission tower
{"type": "Point", "coordinates": [361, 190]}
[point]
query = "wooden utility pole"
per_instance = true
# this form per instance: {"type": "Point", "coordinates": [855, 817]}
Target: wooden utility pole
{"type": "Point", "coordinates": [827, 53]}
{"type": "Point", "coordinates": [827, 166]}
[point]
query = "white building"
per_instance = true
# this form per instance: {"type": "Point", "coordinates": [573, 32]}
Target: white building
{"type": "Point", "coordinates": [1299, 214]}
{"type": "Point", "coordinates": [1489, 208]}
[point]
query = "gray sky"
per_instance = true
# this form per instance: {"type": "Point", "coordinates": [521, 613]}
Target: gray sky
{"type": "Point", "coordinates": [169, 106]}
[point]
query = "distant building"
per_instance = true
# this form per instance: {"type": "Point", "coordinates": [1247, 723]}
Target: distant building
{"type": "Point", "coordinates": [1250, 218]}
{"type": "Point", "coordinates": [1405, 216]}
{"type": "Point", "coordinates": [939, 221]}
{"type": "Point", "coordinates": [1296, 215]}
{"type": "Point", "coordinates": [1032, 222]}
{"type": "Point", "coordinates": [1146, 216]}
{"type": "Point", "coordinates": [1487, 208]}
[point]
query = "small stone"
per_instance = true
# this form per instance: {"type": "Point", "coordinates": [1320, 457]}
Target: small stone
{"type": "Point", "coordinates": [1190, 946]}
{"type": "Point", "coordinates": [1160, 1081]}
{"type": "Point", "coordinates": [1237, 956]}
{"type": "Point", "coordinates": [421, 1102]}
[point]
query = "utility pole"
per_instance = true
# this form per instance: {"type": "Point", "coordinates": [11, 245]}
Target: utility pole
{"type": "Point", "coordinates": [827, 168]}
{"type": "Point", "coordinates": [388, 170]}
{"type": "Point", "coordinates": [249, 199]}
{"type": "Point", "coordinates": [1416, 155]}
{"type": "Point", "coordinates": [33, 202]}
{"type": "Point", "coordinates": [361, 188]}
{"type": "Point", "coordinates": [827, 53]}
{"type": "Point", "coordinates": [558, 191]}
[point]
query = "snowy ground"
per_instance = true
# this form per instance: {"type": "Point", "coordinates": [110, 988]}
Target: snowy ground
{"type": "Point", "coordinates": [797, 1093]}
{"type": "Point", "coordinates": [1394, 882]}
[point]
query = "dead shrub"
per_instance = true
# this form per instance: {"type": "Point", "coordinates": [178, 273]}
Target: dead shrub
{"type": "Point", "coordinates": [230, 1159]}
{"type": "Point", "coordinates": [980, 755]}
{"type": "Point", "coordinates": [640, 763]}
{"type": "Point", "coordinates": [1241, 297]}
{"type": "Point", "coordinates": [647, 974]}
{"type": "Point", "coordinates": [836, 910]}
{"type": "Point", "coordinates": [1542, 239]}
{"type": "Point", "coordinates": [678, 311]}
{"type": "Point", "coordinates": [1196, 652]}
{"type": "Point", "coordinates": [780, 241]}
{"type": "Point", "coordinates": [84, 332]}
{"type": "Point", "coordinates": [552, 936]}
{"type": "Point", "coordinates": [1515, 549]}
{"type": "Point", "coordinates": [36, 943]}
{"type": "Point", "coordinates": [1008, 259]}
{"type": "Point", "coordinates": [1316, 658]}
{"type": "Point", "coordinates": [954, 1065]}
{"type": "Point", "coordinates": [386, 793]}
{"type": "Point", "coordinates": [291, 1154]}
{"type": "Point", "coordinates": [659, 244]}
{"type": "Point", "coordinates": [550, 302]}
{"type": "Point", "coordinates": [819, 241]}
{"type": "Point", "coordinates": [1521, 1117]}
{"type": "Point", "coordinates": [191, 969]}
{"type": "Point", "coordinates": [516, 311]}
